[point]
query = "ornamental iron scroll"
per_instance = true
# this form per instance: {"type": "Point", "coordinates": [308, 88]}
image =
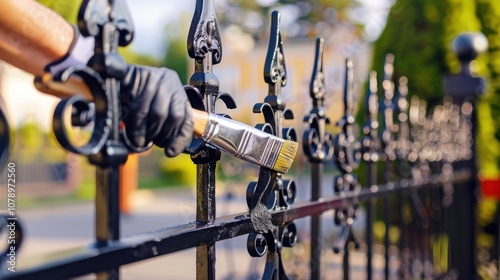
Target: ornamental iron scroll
{"type": "Point", "coordinates": [370, 148]}
{"type": "Point", "coordinates": [387, 154]}
{"type": "Point", "coordinates": [387, 107]}
{"type": "Point", "coordinates": [204, 36]}
{"type": "Point", "coordinates": [370, 143]}
{"type": "Point", "coordinates": [109, 22]}
{"type": "Point", "coordinates": [347, 156]}
{"type": "Point", "coordinates": [205, 48]}
{"type": "Point", "coordinates": [317, 144]}
{"type": "Point", "coordinates": [403, 141]}
{"type": "Point", "coordinates": [271, 191]}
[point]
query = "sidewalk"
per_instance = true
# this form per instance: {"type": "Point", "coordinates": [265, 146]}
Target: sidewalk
{"type": "Point", "coordinates": [54, 229]}
{"type": "Point", "coordinates": [51, 229]}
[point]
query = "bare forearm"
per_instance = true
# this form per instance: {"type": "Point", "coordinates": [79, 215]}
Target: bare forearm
{"type": "Point", "coordinates": [31, 35]}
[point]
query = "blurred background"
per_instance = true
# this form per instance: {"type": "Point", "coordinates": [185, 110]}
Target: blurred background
{"type": "Point", "coordinates": [419, 33]}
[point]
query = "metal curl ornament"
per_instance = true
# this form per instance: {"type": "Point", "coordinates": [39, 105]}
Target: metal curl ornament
{"type": "Point", "coordinates": [347, 148]}
{"type": "Point", "coordinates": [82, 112]}
{"type": "Point", "coordinates": [317, 143]}
{"type": "Point", "coordinates": [94, 14]}
{"type": "Point", "coordinates": [347, 156]}
{"type": "Point", "coordinates": [403, 142]}
{"type": "Point", "coordinates": [271, 192]}
{"type": "Point", "coordinates": [387, 132]}
{"type": "Point", "coordinates": [204, 36]}
{"type": "Point", "coordinates": [347, 183]}
{"type": "Point", "coordinates": [197, 101]}
{"type": "Point", "coordinates": [370, 142]}
{"type": "Point", "coordinates": [205, 47]}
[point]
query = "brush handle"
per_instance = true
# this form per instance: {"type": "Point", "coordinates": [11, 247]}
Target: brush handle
{"type": "Point", "coordinates": [235, 138]}
{"type": "Point", "coordinates": [75, 85]}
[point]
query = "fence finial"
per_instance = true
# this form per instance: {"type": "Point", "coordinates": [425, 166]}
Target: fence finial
{"type": "Point", "coordinates": [347, 156]}
{"type": "Point", "coordinates": [317, 142]}
{"type": "Point", "coordinates": [271, 191]}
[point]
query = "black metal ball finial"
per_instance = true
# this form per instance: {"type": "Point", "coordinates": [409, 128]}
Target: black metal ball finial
{"type": "Point", "coordinates": [469, 45]}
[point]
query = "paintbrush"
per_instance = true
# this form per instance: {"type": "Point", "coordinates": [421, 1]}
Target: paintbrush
{"type": "Point", "coordinates": [232, 137]}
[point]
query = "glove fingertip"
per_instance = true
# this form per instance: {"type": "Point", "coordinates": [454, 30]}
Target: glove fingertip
{"type": "Point", "coordinates": [173, 150]}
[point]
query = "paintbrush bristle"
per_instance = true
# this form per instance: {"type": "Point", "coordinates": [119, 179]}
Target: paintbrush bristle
{"type": "Point", "coordinates": [286, 156]}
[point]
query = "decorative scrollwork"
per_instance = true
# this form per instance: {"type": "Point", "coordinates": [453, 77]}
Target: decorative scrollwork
{"type": "Point", "coordinates": [403, 142]}
{"type": "Point", "coordinates": [274, 67]}
{"type": "Point", "coordinates": [111, 24]}
{"type": "Point", "coordinates": [347, 148]}
{"type": "Point", "coordinates": [271, 191]}
{"type": "Point", "coordinates": [388, 144]}
{"type": "Point", "coordinates": [370, 142]}
{"type": "Point", "coordinates": [204, 35]}
{"type": "Point", "coordinates": [203, 89]}
{"type": "Point", "coordinates": [316, 141]}
{"type": "Point", "coordinates": [347, 156]}
{"type": "Point", "coordinates": [95, 13]}
{"type": "Point", "coordinates": [83, 112]}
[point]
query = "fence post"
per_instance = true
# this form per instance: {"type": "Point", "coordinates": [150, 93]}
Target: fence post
{"type": "Point", "coordinates": [204, 46]}
{"type": "Point", "coordinates": [465, 89]}
{"type": "Point", "coordinates": [371, 154]}
{"type": "Point", "coordinates": [347, 155]}
{"type": "Point", "coordinates": [318, 147]}
{"type": "Point", "coordinates": [388, 154]}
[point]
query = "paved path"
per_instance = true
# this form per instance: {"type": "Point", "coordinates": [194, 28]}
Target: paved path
{"type": "Point", "coordinates": [55, 228]}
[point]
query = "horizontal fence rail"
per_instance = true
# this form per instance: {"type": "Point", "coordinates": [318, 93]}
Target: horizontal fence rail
{"type": "Point", "coordinates": [411, 170]}
{"type": "Point", "coordinates": [169, 240]}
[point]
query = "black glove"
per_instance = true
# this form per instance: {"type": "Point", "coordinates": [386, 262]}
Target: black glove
{"type": "Point", "coordinates": [155, 108]}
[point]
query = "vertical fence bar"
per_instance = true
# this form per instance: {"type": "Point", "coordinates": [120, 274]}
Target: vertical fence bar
{"type": "Point", "coordinates": [465, 89]}
{"type": "Point", "coordinates": [318, 146]}
{"type": "Point", "coordinates": [315, 265]}
{"type": "Point", "coordinates": [105, 149]}
{"type": "Point", "coordinates": [271, 191]}
{"type": "Point", "coordinates": [205, 213]}
{"type": "Point", "coordinates": [205, 47]}
{"type": "Point", "coordinates": [370, 150]}
{"type": "Point", "coordinates": [347, 156]}
{"type": "Point", "coordinates": [388, 149]}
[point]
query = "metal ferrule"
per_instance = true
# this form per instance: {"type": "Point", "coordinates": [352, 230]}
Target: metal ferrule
{"type": "Point", "coordinates": [242, 141]}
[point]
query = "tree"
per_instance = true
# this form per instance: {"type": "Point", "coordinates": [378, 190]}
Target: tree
{"type": "Point", "coordinates": [488, 12]}
{"type": "Point", "coordinates": [68, 9]}
{"type": "Point", "coordinates": [420, 33]}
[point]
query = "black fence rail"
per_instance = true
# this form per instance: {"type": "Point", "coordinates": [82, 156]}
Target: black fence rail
{"type": "Point", "coordinates": [414, 170]}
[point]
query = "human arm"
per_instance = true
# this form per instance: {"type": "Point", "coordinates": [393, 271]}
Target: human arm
{"type": "Point", "coordinates": [32, 36]}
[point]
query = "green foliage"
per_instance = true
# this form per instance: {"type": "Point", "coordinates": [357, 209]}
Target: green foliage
{"type": "Point", "coordinates": [176, 57]}
{"type": "Point", "coordinates": [488, 12]}
{"type": "Point", "coordinates": [420, 35]}
{"type": "Point", "coordinates": [414, 34]}
{"type": "Point", "coordinates": [137, 58]}
{"type": "Point", "coordinates": [68, 9]}
{"type": "Point", "coordinates": [178, 171]}
{"type": "Point", "coordinates": [31, 135]}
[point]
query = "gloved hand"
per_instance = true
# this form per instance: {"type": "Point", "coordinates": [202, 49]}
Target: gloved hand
{"type": "Point", "coordinates": [155, 106]}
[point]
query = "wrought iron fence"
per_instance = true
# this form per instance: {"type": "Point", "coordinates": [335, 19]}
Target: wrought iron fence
{"type": "Point", "coordinates": [418, 169]}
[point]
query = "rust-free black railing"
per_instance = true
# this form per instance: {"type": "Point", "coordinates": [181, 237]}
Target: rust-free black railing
{"type": "Point", "coordinates": [427, 162]}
